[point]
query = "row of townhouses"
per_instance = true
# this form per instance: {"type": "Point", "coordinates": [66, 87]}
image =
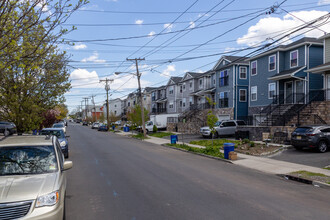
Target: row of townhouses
{"type": "Point", "coordinates": [271, 87]}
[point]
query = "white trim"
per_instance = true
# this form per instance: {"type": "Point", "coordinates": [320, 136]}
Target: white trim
{"type": "Point", "coordinates": [274, 55]}
{"type": "Point", "coordinates": [255, 61]}
{"type": "Point", "coordinates": [305, 54]}
{"type": "Point", "coordinates": [239, 70]}
{"type": "Point", "coordinates": [256, 87]}
{"type": "Point", "coordinates": [269, 89]}
{"type": "Point", "coordinates": [239, 95]}
{"type": "Point", "coordinates": [278, 62]}
{"type": "Point", "coordinates": [297, 58]}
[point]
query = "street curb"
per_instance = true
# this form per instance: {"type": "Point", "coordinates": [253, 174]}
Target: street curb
{"type": "Point", "coordinates": [306, 181]}
{"type": "Point", "coordinates": [204, 155]}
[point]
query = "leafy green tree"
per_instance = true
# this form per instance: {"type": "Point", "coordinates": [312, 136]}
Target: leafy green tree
{"type": "Point", "coordinates": [211, 119]}
{"type": "Point", "coordinates": [135, 115]}
{"type": "Point", "coordinates": [33, 71]}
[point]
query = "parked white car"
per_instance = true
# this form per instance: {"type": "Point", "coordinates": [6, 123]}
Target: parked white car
{"type": "Point", "coordinates": [223, 128]}
{"type": "Point", "coordinates": [60, 125]}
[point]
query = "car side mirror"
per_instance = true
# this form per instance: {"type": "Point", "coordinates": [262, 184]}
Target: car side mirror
{"type": "Point", "coordinates": [221, 126]}
{"type": "Point", "coordinates": [67, 165]}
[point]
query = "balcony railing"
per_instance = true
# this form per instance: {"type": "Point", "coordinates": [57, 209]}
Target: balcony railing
{"type": "Point", "coordinates": [158, 110]}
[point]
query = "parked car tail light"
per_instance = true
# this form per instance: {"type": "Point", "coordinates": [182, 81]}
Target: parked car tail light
{"type": "Point", "coordinates": [310, 134]}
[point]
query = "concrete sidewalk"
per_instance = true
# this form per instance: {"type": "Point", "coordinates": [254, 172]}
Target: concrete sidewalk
{"type": "Point", "coordinates": [254, 162]}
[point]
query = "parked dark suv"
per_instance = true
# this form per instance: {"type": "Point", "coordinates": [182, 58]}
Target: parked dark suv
{"type": "Point", "coordinates": [7, 128]}
{"type": "Point", "coordinates": [311, 136]}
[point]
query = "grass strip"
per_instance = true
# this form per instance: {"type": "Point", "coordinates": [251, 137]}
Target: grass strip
{"type": "Point", "coordinates": [212, 151]}
{"type": "Point", "coordinates": [160, 134]}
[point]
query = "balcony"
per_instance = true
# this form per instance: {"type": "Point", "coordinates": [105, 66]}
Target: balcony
{"type": "Point", "coordinates": [158, 110]}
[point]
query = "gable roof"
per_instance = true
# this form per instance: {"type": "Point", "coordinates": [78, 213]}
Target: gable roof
{"type": "Point", "coordinates": [192, 75]}
{"type": "Point", "coordinates": [298, 43]}
{"type": "Point", "coordinates": [232, 60]}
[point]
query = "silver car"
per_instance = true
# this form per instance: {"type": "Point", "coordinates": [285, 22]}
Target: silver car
{"type": "Point", "coordinates": [32, 178]}
{"type": "Point", "coordinates": [223, 128]}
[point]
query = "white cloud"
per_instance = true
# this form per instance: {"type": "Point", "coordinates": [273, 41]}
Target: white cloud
{"type": "Point", "coordinates": [139, 22]}
{"type": "Point", "coordinates": [79, 46]}
{"type": "Point", "coordinates": [192, 24]}
{"type": "Point", "coordinates": [94, 58]}
{"type": "Point", "coordinates": [82, 78]}
{"type": "Point", "coordinates": [167, 72]}
{"type": "Point", "coordinates": [203, 15]}
{"type": "Point", "coordinates": [168, 27]}
{"type": "Point", "coordinates": [271, 26]}
{"type": "Point", "coordinates": [122, 83]}
{"type": "Point", "coordinates": [152, 33]}
{"type": "Point", "coordinates": [323, 2]}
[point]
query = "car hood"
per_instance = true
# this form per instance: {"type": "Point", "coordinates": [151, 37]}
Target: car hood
{"type": "Point", "coordinates": [28, 187]}
{"type": "Point", "coordinates": [206, 128]}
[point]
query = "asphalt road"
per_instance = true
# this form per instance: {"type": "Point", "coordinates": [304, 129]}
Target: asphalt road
{"type": "Point", "coordinates": [116, 177]}
{"type": "Point", "coordinates": [308, 157]}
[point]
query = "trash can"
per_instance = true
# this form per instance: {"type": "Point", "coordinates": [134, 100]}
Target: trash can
{"type": "Point", "coordinates": [227, 147]}
{"type": "Point", "coordinates": [113, 127]}
{"type": "Point", "coordinates": [174, 139]}
{"type": "Point", "coordinates": [126, 129]}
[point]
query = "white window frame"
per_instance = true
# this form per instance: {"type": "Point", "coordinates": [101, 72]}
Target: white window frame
{"type": "Point", "coordinates": [191, 84]}
{"type": "Point", "coordinates": [200, 84]}
{"type": "Point", "coordinates": [184, 87]}
{"type": "Point", "coordinates": [171, 90]}
{"type": "Point", "coordinates": [242, 67]}
{"type": "Point", "coordinates": [256, 68]}
{"type": "Point", "coordinates": [245, 100]}
{"type": "Point", "coordinates": [256, 92]}
{"type": "Point", "coordinates": [170, 105]}
{"type": "Point", "coordinates": [297, 58]}
{"type": "Point", "coordinates": [274, 62]}
{"type": "Point", "coordinates": [269, 85]}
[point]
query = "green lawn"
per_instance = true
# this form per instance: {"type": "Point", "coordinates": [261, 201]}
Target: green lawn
{"type": "Point", "coordinates": [139, 136]}
{"type": "Point", "coordinates": [160, 134]}
{"type": "Point", "coordinates": [216, 142]}
{"type": "Point", "coordinates": [212, 151]}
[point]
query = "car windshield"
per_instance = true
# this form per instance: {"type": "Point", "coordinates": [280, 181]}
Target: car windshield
{"type": "Point", "coordinates": [24, 160]}
{"type": "Point", "coordinates": [303, 129]}
{"type": "Point", "coordinates": [217, 123]}
{"type": "Point", "coordinates": [57, 133]}
{"type": "Point", "coordinates": [58, 125]}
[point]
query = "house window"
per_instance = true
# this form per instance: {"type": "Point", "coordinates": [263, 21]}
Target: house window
{"type": "Point", "coordinates": [190, 101]}
{"type": "Point", "coordinates": [184, 102]}
{"type": "Point", "coordinates": [254, 90]}
{"type": "Point", "coordinates": [242, 95]}
{"type": "Point", "coordinates": [184, 87]}
{"type": "Point", "coordinates": [223, 78]}
{"type": "Point", "coordinates": [180, 103]}
{"type": "Point", "coordinates": [271, 90]}
{"type": "Point", "coordinates": [223, 101]}
{"type": "Point", "coordinates": [242, 72]}
{"type": "Point", "coordinates": [171, 105]}
{"type": "Point", "coordinates": [171, 90]}
{"type": "Point", "coordinates": [253, 68]}
{"type": "Point", "coordinates": [128, 104]}
{"type": "Point", "coordinates": [214, 80]}
{"type": "Point", "coordinates": [190, 85]}
{"type": "Point", "coordinates": [272, 63]}
{"type": "Point", "coordinates": [115, 106]}
{"type": "Point", "coordinates": [200, 83]}
{"type": "Point", "coordinates": [294, 58]}
{"type": "Point", "coordinates": [115, 112]}
{"type": "Point", "coordinates": [134, 102]}
{"type": "Point", "coordinates": [181, 89]}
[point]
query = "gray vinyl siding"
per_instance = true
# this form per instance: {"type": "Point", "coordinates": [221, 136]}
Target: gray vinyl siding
{"type": "Point", "coordinates": [228, 88]}
{"type": "Point", "coordinates": [327, 50]}
{"type": "Point", "coordinates": [261, 81]}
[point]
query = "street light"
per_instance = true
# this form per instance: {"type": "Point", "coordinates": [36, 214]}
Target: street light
{"type": "Point", "coordinates": [140, 96]}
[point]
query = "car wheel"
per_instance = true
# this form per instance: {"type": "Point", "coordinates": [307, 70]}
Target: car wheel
{"type": "Point", "coordinates": [297, 147]}
{"type": "Point", "coordinates": [6, 133]}
{"type": "Point", "coordinates": [216, 135]}
{"type": "Point", "coordinates": [322, 146]}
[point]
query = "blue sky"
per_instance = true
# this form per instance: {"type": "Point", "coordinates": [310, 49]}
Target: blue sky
{"type": "Point", "coordinates": [109, 31]}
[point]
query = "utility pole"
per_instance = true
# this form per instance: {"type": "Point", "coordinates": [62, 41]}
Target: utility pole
{"type": "Point", "coordinates": [94, 116]}
{"type": "Point", "coordinates": [140, 92]}
{"type": "Point", "coordinates": [86, 106]}
{"type": "Point", "coordinates": [107, 88]}
{"type": "Point", "coordinates": [81, 108]}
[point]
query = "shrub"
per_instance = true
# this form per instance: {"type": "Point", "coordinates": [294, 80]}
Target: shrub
{"type": "Point", "coordinates": [245, 141]}
{"type": "Point", "coordinates": [154, 129]}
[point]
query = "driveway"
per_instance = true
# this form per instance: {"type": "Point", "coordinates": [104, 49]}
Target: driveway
{"type": "Point", "coordinates": [308, 157]}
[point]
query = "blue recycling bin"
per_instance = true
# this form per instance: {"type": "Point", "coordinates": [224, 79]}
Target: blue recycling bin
{"type": "Point", "coordinates": [228, 147]}
{"type": "Point", "coordinates": [126, 129]}
{"type": "Point", "coordinates": [113, 127]}
{"type": "Point", "coordinates": [174, 139]}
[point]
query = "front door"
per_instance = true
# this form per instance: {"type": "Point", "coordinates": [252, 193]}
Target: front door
{"type": "Point", "coordinates": [288, 92]}
{"type": "Point", "coordinates": [328, 87]}
{"type": "Point", "coordinates": [300, 94]}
